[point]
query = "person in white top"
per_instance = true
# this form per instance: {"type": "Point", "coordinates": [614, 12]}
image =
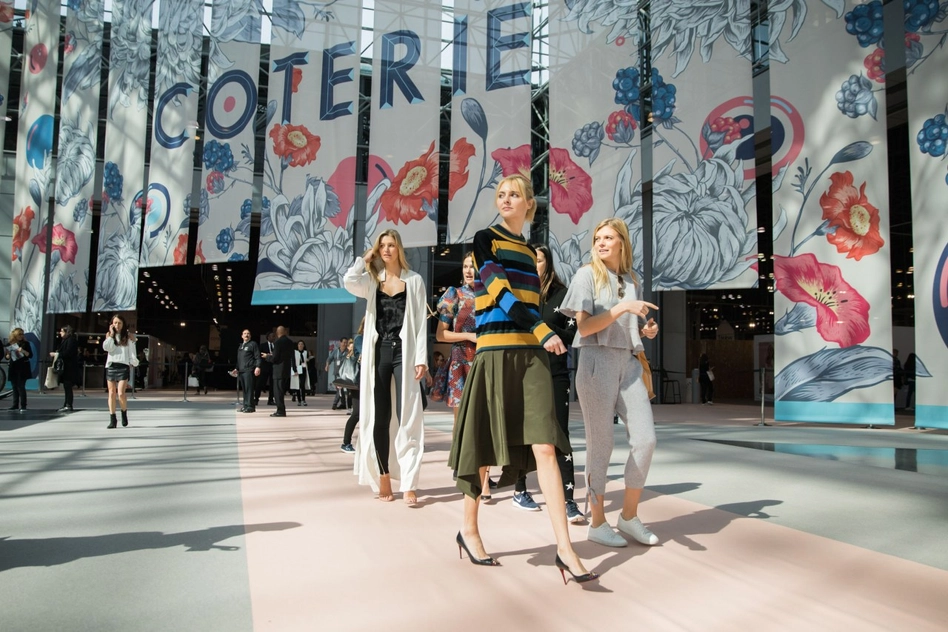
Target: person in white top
{"type": "Point", "coordinates": [299, 379]}
{"type": "Point", "coordinates": [119, 343]}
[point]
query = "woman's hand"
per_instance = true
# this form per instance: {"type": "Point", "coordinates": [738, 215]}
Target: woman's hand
{"type": "Point", "coordinates": [368, 256]}
{"type": "Point", "coordinates": [555, 345]}
{"type": "Point", "coordinates": [650, 330]}
{"type": "Point", "coordinates": [636, 308]}
{"type": "Point", "coordinates": [420, 371]}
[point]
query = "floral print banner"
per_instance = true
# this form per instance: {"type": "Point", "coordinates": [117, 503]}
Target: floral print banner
{"type": "Point", "coordinates": [704, 206]}
{"type": "Point", "coordinates": [926, 25]}
{"type": "Point", "coordinates": [305, 239]}
{"type": "Point", "coordinates": [595, 166]}
{"type": "Point", "coordinates": [406, 111]}
{"type": "Point", "coordinates": [76, 163]}
{"type": "Point", "coordinates": [227, 199]}
{"type": "Point", "coordinates": [832, 307]}
{"type": "Point", "coordinates": [34, 173]}
{"type": "Point", "coordinates": [123, 197]}
{"type": "Point", "coordinates": [171, 163]}
{"type": "Point", "coordinates": [490, 108]}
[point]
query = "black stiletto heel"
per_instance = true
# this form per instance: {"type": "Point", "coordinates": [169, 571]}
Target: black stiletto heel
{"type": "Point", "coordinates": [579, 579]}
{"type": "Point", "coordinates": [487, 561]}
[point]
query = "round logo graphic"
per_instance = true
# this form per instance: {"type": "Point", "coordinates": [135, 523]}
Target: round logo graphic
{"type": "Point", "coordinates": [940, 295]}
{"type": "Point", "coordinates": [158, 209]}
{"type": "Point", "coordinates": [735, 119]}
{"type": "Point", "coordinates": [39, 141]}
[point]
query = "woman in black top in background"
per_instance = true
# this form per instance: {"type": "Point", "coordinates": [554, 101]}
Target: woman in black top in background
{"type": "Point", "coordinates": [69, 354]}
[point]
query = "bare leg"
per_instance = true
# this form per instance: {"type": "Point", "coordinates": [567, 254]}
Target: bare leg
{"type": "Point", "coordinates": [551, 484]}
{"type": "Point", "coordinates": [597, 510]}
{"type": "Point", "coordinates": [485, 481]}
{"type": "Point", "coordinates": [630, 504]}
{"type": "Point", "coordinates": [470, 532]}
{"type": "Point", "coordinates": [112, 387]}
{"type": "Point", "coordinates": [123, 400]}
{"type": "Point", "coordinates": [385, 488]}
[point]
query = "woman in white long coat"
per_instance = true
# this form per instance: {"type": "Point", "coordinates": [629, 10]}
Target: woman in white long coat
{"type": "Point", "coordinates": [394, 349]}
{"type": "Point", "coordinates": [299, 377]}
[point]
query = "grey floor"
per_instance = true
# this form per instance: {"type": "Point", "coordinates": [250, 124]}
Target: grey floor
{"type": "Point", "coordinates": [142, 528]}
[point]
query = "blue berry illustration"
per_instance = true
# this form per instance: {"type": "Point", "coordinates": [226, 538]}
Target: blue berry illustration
{"type": "Point", "coordinates": [919, 14]}
{"type": "Point", "coordinates": [113, 181]}
{"type": "Point", "coordinates": [933, 136]}
{"type": "Point", "coordinates": [865, 22]}
{"type": "Point", "coordinates": [265, 204]}
{"type": "Point", "coordinates": [626, 85]}
{"type": "Point", "coordinates": [225, 239]}
{"type": "Point", "coordinates": [237, 257]}
{"type": "Point", "coordinates": [586, 141]}
{"type": "Point", "coordinates": [855, 97]}
{"type": "Point", "coordinates": [246, 208]}
{"type": "Point", "coordinates": [663, 97]}
{"type": "Point", "coordinates": [218, 157]}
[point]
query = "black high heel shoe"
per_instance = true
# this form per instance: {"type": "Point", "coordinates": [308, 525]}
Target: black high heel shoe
{"type": "Point", "coordinates": [487, 561]}
{"type": "Point", "coordinates": [579, 579]}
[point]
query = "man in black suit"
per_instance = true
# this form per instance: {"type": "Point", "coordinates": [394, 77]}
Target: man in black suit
{"type": "Point", "coordinates": [282, 361]}
{"type": "Point", "coordinates": [266, 373]}
{"type": "Point", "coordinates": [248, 367]}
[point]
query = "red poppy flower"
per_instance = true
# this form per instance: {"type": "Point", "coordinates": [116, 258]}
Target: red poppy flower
{"type": "Point", "coordinates": [64, 242]}
{"type": "Point", "coordinates": [181, 250]}
{"type": "Point", "coordinates": [21, 230]}
{"type": "Point", "coordinates": [294, 144]}
{"type": "Point", "coordinates": [6, 12]}
{"type": "Point", "coordinates": [342, 182]}
{"type": "Point", "coordinates": [199, 254]}
{"type": "Point", "coordinates": [570, 186]}
{"type": "Point", "coordinates": [414, 187]}
{"type": "Point", "coordinates": [842, 315]}
{"type": "Point", "coordinates": [855, 219]}
{"type": "Point", "coordinates": [460, 155]}
{"type": "Point", "coordinates": [513, 161]}
{"type": "Point", "coordinates": [297, 78]}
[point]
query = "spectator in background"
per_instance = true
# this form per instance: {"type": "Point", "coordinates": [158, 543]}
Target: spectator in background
{"type": "Point", "coordinates": [248, 368]}
{"type": "Point", "coordinates": [333, 364]}
{"type": "Point", "coordinates": [69, 354]}
{"type": "Point", "coordinates": [202, 362]}
{"type": "Point", "coordinates": [266, 373]}
{"type": "Point", "coordinates": [706, 379]}
{"type": "Point", "coordinates": [282, 362]}
{"type": "Point", "coordinates": [18, 352]}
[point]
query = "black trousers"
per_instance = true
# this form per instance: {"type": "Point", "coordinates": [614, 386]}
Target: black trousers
{"type": "Point", "coordinates": [67, 389]}
{"type": "Point", "coordinates": [279, 393]}
{"type": "Point", "coordinates": [351, 422]}
{"type": "Point", "coordinates": [19, 391]}
{"type": "Point", "coordinates": [388, 365]}
{"type": "Point", "coordinates": [246, 383]}
{"type": "Point", "coordinates": [707, 389]}
{"type": "Point", "coordinates": [264, 381]}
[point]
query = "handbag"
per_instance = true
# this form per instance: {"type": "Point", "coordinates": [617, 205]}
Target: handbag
{"type": "Point", "coordinates": [58, 365]}
{"type": "Point", "coordinates": [710, 375]}
{"type": "Point", "coordinates": [646, 374]}
{"type": "Point", "coordinates": [348, 375]}
{"type": "Point", "coordinates": [439, 388]}
{"type": "Point", "coordinates": [52, 380]}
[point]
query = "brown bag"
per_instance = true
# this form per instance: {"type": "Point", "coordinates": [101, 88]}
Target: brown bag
{"type": "Point", "coordinates": [646, 374]}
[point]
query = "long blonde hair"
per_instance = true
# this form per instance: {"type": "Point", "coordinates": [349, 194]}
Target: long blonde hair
{"type": "Point", "coordinates": [525, 188]}
{"type": "Point", "coordinates": [377, 265]}
{"type": "Point", "coordinates": [16, 335]}
{"type": "Point", "coordinates": [600, 272]}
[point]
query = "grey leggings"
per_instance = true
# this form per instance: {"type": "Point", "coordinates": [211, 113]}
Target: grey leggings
{"type": "Point", "coordinates": [609, 382]}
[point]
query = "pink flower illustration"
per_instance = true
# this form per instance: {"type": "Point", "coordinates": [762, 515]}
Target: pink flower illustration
{"type": "Point", "coordinates": [842, 315]}
{"type": "Point", "coordinates": [513, 161]}
{"type": "Point", "coordinates": [461, 154]}
{"type": "Point", "coordinates": [64, 242]}
{"type": "Point", "coordinates": [570, 186]}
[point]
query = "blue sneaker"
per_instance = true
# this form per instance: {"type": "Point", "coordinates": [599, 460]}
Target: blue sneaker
{"type": "Point", "coordinates": [525, 501]}
{"type": "Point", "coordinates": [347, 447]}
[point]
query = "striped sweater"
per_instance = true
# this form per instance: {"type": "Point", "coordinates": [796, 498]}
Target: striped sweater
{"type": "Point", "coordinates": [507, 292]}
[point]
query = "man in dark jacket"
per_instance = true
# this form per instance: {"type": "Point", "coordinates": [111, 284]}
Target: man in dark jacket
{"type": "Point", "coordinates": [282, 361]}
{"type": "Point", "coordinates": [248, 367]}
{"type": "Point", "coordinates": [264, 381]}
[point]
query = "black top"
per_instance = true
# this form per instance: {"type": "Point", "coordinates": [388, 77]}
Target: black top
{"type": "Point", "coordinates": [248, 356]}
{"type": "Point", "coordinates": [562, 325]}
{"type": "Point", "coordinates": [282, 358]}
{"type": "Point", "coordinates": [69, 354]}
{"type": "Point", "coordinates": [390, 312]}
{"type": "Point", "coordinates": [20, 369]}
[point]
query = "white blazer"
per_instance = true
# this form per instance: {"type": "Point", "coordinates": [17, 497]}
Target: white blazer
{"type": "Point", "coordinates": [408, 437]}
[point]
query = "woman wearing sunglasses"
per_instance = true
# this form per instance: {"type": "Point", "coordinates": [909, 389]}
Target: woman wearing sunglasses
{"type": "Point", "coordinates": [602, 297]}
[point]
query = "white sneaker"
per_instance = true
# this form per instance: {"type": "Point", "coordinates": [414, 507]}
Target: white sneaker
{"type": "Point", "coordinates": [638, 531]}
{"type": "Point", "coordinates": [603, 534]}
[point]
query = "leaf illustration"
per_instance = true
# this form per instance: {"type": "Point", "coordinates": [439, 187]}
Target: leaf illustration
{"type": "Point", "coordinates": [802, 316]}
{"type": "Point", "coordinates": [829, 373]}
{"type": "Point", "coordinates": [853, 151]}
{"type": "Point", "coordinates": [84, 73]}
{"type": "Point", "coordinates": [288, 16]}
{"type": "Point", "coordinates": [35, 192]}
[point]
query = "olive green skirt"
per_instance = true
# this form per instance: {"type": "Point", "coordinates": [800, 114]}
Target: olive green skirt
{"type": "Point", "coordinates": [507, 406]}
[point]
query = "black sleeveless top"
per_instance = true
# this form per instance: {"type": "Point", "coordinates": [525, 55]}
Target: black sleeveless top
{"type": "Point", "coordinates": [390, 314]}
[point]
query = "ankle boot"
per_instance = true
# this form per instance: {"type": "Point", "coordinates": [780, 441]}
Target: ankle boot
{"type": "Point", "coordinates": [113, 421]}
{"type": "Point", "coordinates": [124, 418]}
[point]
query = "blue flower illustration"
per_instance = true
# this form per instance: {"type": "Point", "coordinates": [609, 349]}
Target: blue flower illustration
{"type": "Point", "coordinates": [225, 239]}
{"type": "Point", "coordinates": [865, 22]}
{"type": "Point", "coordinates": [855, 97]}
{"type": "Point", "coordinates": [932, 137]}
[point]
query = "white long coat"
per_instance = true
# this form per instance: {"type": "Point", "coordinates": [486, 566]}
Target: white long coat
{"type": "Point", "coordinates": [300, 368]}
{"type": "Point", "coordinates": [408, 438]}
